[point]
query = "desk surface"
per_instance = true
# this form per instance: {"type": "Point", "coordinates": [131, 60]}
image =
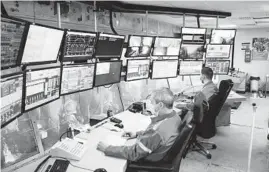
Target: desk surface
{"type": "Point", "coordinates": [93, 158]}
{"type": "Point", "coordinates": [234, 97]}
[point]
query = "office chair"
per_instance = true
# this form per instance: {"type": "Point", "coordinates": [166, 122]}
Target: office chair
{"type": "Point", "coordinates": [206, 128]}
{"type": "Point", "coordinates": [171, 162]}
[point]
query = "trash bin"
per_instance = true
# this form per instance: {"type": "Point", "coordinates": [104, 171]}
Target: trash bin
{"type": "Point", "coordinates": [254, 85]}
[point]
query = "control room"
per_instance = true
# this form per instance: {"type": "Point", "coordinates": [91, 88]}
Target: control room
{"type": "Point", "coordinates": [134, 86]}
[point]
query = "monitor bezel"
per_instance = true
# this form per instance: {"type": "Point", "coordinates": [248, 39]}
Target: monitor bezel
{"type": "Point", "coordinates": [43, 62]}
{"type": "Point", "coordinates": [108, 83]}
{"type": "Point", "coordinates": [108, 57]}
{"type": "Point", "coordinates": [210, 40]}
{"type": "Point", "coordinates": [165, 55]}
{"type": "Point", "coordinates": [24, 87]}
{"type": "Point", "coordinates": [190, 61]}
{"type": "Point", "coordinates": [16, 74]}
{"type": "Point", "coordinates": [151, 74]}
{"type": "Point", "coordinates": [80, 58]}
{"type": "Point", "coordinates": [22, 43]}
{"type": "Point", "coordinates": [220, 58]}
{"type": "Point", "coordinates": [220, 61]}
{"type": "Point", "coordinates": [139, 78]}
{"type": "Point", "coordinates": [151, 47]}
{"type": "Point", "coordinates": [76, 64]}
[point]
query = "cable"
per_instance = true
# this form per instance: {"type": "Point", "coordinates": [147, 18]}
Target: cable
{"type": "Point", "coordinates": [120, 97]}
{"type": "Point", "coordinates": [43, 162]}
{"type": "Point", "coordinates": [58, 157]}
{"type": "Point", "coordinates": [111, 22]}
{"type": "Point", "coordinates": [68, 130]}
{"type": "Point", "coordinates": [168, 83]}
{"type": "Point", "coordinates": [108, 86]}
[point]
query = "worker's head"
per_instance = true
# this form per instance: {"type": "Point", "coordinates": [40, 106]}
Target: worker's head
{"type": "Point", "coordinates": [160, 101]}
{"type": "Point", "coordinates": [206, 74]}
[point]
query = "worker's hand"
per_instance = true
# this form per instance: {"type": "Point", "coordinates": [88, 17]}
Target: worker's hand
{"type": "Point", "coordinates": [102, 146]}
{"type": "Point", "coordinates": [129, 134]}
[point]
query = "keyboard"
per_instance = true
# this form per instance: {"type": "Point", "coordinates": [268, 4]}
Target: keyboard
{"type": "Point", "coordinates": [58, 166]}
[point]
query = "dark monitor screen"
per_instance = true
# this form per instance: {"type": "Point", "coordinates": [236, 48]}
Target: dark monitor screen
{"type": "Point", "coordinates": [137, 69]}
{"type": "Point", "coordinates": [12, 38]}
{"type": "Point", "coordinates": [42, 45]}
{"type": "Point", "coordinates": [139, 46]}
{"type": "Point", "coordinates": [166, 46]}
{"type": "Point", "coordinates": [77, 78]}
{"type": "Point", "coordinates": [42, 86]}
{"type": "Point", "coordinates": [107, 73]}
{"type": "Point", "coordinates": [190, 67]}
{"type": "Point", "coordinates": [11, 97]}
{"type": "Point", "coordinates": [219, 36]}
{"type": "Point", "coordinates": [219, 67]}
{"type": "Point", "coordinates": [109, 46]}
{"type": "Point", "coordinates": [79, 45]}
{"type": "Point", "coordinates": [191, 51]}
{"type": "Point", "coordinates": [164, 69]}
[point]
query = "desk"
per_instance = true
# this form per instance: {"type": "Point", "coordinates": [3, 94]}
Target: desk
{"type": "Point", "coordinates": [93, 158]}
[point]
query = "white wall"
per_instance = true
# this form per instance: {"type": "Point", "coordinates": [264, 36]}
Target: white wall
{"type": "Point", "coordinates": [257, 68]}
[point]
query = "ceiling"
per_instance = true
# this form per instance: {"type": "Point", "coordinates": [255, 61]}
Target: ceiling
{"type": "Point", "coordinates": [245, 14]}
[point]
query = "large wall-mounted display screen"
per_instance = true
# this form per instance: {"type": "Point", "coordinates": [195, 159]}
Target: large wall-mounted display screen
{"type": "Point", "coordinates": [190, 67]}
{"type": "Point", "coordinates": [218, 51]}
{"type": "Point", "coordinates": [193, 35]}
{"type": "Point", "coordinates": [166, 46]}
{"type": "Point", "coordinates": [41, 86]}
{"type": "Point", "coordinates": [42, 45]}
{"type": "Point", "coordinates": [219, 36]}
{"type": "Point", "coordinates": [137, 69]}
{"type": "Point", "coordinates": [77, 78]}
{"type": "Point", "coordinates": [11, 97]}
{"type": "Point", "coordinates": [219, 67]}
{"type": "Point", "coordinates": [139, 46]}
{"type": "Point", "coordinates": [191, 51]}
{"type": "Point", "coordinates": [79, 45]}
{"type": "Point", "coordinates": [164, 69]}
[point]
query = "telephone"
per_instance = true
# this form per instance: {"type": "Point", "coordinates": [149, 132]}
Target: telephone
{"type": "Point", "coordinates": [69, 148]}
{"type": "Point", "coordinates": [137, 107]}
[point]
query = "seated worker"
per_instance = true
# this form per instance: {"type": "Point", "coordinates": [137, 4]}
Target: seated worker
{"type": "Point", "coordinates": [153, 143]}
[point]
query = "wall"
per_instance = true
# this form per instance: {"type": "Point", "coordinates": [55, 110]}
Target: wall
{"type": "Point", "coordinates": [254, 68]}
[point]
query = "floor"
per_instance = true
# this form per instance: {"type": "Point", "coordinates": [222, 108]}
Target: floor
{"type": "Point", "coordinates": [233, 141]}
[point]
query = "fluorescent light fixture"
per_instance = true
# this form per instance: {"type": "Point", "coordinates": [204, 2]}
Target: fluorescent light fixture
{"type": "Point", "coordinates": [228, 26]}
{"type": "Point", "coordinates": [262, 20]}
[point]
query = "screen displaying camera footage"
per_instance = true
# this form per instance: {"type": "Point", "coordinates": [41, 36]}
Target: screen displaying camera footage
{"type": "Point", "coordinates": [137, 69]}
{"type": "Point", "coordinates": [42, 44]}
{"type": "Point", "coordinates": [11, 38]}
{"type": "Point", "coordinates": [42, 86]}
{"type": "Point", "coordinates": [166, 46]}
{"type": "Point", "coordinates": [109, 46]}
{"type": "Point", "coordinates": [164, 69]}
{"type": "Point", "coordinates": [190, 67]}
{"type": "Point", "coordinates": [218, 51]}
{"type": "Point", "coordinates": [11, 97]}
{"type": "Point", "coordinates": [107, 73]}
{"type": "Point", "coordinates": [139, 46]}
{"type": "Point", "coordinates": [219, 67]}
{"type": "Point", "coordinates": [77, 78]}
{"type": "Point", "coordinates": [191, 51]}
{"type": "Point", "coordinates": [222, 36]}
{"type": "Point", "coordinates": [78, 46]}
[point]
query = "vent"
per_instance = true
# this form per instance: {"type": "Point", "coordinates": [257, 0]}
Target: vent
{"type": "Point", "coordinates": [245, 18]}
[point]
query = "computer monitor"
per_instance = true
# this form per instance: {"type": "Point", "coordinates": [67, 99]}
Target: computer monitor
{"type": "Point", "coordinates": [190, 67]}
{"type": "Point", "coordinates": [164, 69]}
{"type": "Point", "coordinates": [42, 45]}
{"type": "Point", "coordinates": [137, 69]}
{"type": "Point", "coordinates": [191, 51]}
{"type": "Point", "coordinates": [139, 46]}
{"type": "Point", "coordinates": [41, 87]}
{"type": "Point", "coordinates": [193, 35]}
{"type": "Point", "coordinates": [164, 46]}
{"type": "Point", "coordinates": [219, 67]}
{"type": "Point", "coordinates": [109, 46]}
{"type": "Point", "coordinates": [13, 34]}
{"type": "Point", "coordinates": [78, 45]}
{"type": "Point", "coordinates": [11, 98]}
{"type": "Point", "coordinates": [218, 51]}
{"type": "Point", "coordinates": [77, 77]}
{"type": "Point", "coordinates": [222, 36]}
{"type": "Point", "coordinates": [107, 73]}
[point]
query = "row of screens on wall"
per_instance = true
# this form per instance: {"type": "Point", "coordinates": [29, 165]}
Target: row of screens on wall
{"type": "Point", "coordinates": [24, 43]}
{"type": "Point", "coordinates": [24, 92]}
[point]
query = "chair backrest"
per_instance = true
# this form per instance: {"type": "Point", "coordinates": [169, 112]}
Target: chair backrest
{"type": "Point", "coordinates": [207, 127]}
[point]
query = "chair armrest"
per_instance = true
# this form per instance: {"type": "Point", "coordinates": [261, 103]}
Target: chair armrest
{"type": "Point", "coordinates": [152, 166]}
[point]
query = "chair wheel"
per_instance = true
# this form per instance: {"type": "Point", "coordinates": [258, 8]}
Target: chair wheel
{"type": "Point", "coordinates": [208, 156]}
{"type": "Point", "coordinates": [214, 146]}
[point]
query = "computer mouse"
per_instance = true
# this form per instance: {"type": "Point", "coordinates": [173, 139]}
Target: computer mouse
{"type": "Point", "coordinates": [118, 125]}
{"type": "Point", "coordinates": [100, 170]}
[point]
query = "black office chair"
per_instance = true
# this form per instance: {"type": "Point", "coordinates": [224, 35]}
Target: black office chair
{"type": "Point", "coordinates": [207, 128]}
{"type": "Point", "coordinates": [171, 162]}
